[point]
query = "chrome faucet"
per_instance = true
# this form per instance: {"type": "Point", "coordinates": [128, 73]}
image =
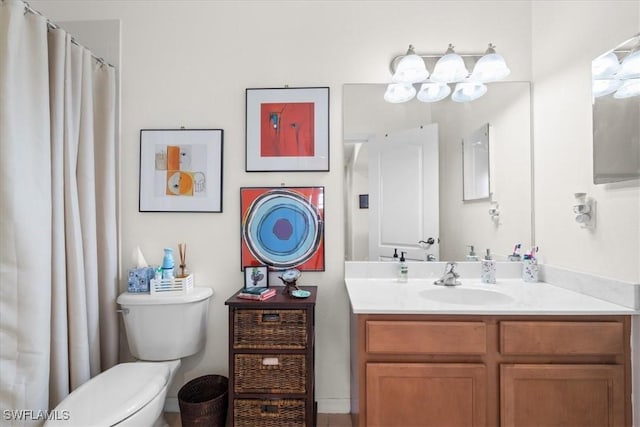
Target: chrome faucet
{"type": "Point", "coordinates": [450, 277]}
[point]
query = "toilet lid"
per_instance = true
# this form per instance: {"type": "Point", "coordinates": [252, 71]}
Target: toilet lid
{"type": "Point", "coordinates": [115, 394]}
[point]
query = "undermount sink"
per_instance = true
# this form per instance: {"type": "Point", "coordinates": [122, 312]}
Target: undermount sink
{"type": "Point", "coordinates": [465, 296]}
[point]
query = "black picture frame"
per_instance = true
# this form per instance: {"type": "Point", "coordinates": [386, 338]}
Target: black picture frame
{"type": "Point", "coordinates": [287, 129]}
{"type": "Point", "coordinates": [256, 276]}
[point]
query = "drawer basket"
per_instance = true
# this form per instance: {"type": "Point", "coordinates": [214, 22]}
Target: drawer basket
{"type": "Point", "coordinates": [279, 373]}
{"type": "Point", "coordinates": [270, 329]}
{"type": "Point", "coordinates": [269, 413]}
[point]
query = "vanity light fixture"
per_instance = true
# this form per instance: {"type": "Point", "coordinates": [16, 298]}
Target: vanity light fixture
{"type": "Point", "coordinates": [491, 67]}
{"type": "Point", "coordinates": [399, 92]}
{"type": "Point", "coordinates": [618, 71]}
{"type": "Point", "coordinates": [450, 68]}
{"type": "Point", "coordinates": [630, 66]}
{"type": "Point", "coordinates": [629, 88]}
{"type": "Point", "coordinates": [603, 87]}
{"type": "Point", "coordinates": [433, 92]}
{"type": "Point", "coordinates": [605, 66]}
{"type": "Point", "coordinates": [468, 91]}
{"type": "Point", "coordinates": [411, 68]}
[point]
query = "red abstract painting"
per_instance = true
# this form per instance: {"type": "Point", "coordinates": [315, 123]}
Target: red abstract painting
{"type": "Point", "coordinates": [287, 129]}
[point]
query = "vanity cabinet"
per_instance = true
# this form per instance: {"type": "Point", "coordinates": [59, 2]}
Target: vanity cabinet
{"type": "Point", "coordinates": [433, 370]}
{"type": "Point", "coordinates": [271, 361]}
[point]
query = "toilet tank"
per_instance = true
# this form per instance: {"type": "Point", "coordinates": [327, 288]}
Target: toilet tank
{"type": "Point", "coordinates": [165, 327]}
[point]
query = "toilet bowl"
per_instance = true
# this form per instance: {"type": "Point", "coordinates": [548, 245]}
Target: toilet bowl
{"type": "Point", "coordinates": [160, 331]}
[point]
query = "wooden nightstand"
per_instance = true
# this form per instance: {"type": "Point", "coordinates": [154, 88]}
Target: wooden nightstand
{"type": "Point", "coordinates": [271, 361]}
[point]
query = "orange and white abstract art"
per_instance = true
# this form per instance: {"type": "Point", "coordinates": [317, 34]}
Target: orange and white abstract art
{"type": "Point", "coordinates": [181, 170]}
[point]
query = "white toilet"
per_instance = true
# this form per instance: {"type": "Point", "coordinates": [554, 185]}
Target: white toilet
{"type": "Point", "coordinates": [160, 330]}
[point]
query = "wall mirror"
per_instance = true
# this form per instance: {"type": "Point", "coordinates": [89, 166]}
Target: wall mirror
{"type": "Point", "coordinates": [506, 108]}
{"type": "Point", "coordinates": [475, 164]}
{"type": "Point", "coordinates": [616, 113]}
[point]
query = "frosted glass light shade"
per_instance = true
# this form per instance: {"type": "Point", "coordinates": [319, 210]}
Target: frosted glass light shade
{"type": "Point", "coordinates": [411, 69]}
{"type": "Point", "coordinates": [433, 92]}
{"type": "Point", "coordinates": [603, 87]}
{"type": "Point", "coordinates": [628, 89]}
{"type": "Point", "coordinates": [630, 66]}
{"type": "Point", "coordinates": [450, 68]}
{"type": "Point", "coordinates": [399, 92]}
{"type": "Point", "coordinates": [490, 68]}
{"type": "Point", "coordinates": [605, 66]}
{"type": "Point", "coordinates": [468, 91]}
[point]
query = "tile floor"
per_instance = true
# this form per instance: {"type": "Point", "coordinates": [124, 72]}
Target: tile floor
{"type": "Point", "coordinates": [324, 420]}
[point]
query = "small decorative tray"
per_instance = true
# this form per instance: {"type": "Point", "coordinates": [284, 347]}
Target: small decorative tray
{"type": "Point", "coordinates": [300, 293]}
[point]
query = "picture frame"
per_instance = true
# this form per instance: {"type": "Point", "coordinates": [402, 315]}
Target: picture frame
{"type": "Point", "coordinates": [283, 227]}
{"type": "Point", "coordinates": [256, 276]}
{"type": "Point", "coordinates": [287, 129]}
{"type": "Point", "coordinates": [181, 170]}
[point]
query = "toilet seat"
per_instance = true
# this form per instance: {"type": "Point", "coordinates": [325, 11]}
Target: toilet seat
{"type": "Point", "coordinates": [115, 394]}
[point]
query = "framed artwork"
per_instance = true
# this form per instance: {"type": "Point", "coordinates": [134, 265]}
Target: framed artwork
{"type": "Point", "coordinates": [181, 170]}
{"type": "Point", "coordinates": [283, 227]}
{"type": "Point", "coordinates": [287, 129]}
{"type": "Point", "coordinates": [256, 276]}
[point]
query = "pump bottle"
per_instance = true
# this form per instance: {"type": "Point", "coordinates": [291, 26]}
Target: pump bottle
{"type": "Point", "coordinates": [471, 256]}
{"type": "Point", "coordinates": [488, 269]}
{"type": "Point", "coordinates": [403, 270]}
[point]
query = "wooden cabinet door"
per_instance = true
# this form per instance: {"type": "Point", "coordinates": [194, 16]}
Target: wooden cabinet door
{"type": "Point", "coordinates": [562, 395]}
{"type": "Point", "coordinates": [426, 394]}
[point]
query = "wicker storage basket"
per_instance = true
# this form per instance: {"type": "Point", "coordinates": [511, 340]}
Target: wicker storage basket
{"type": "Point", "coordinates": [259, 373]}
{"type": "Point", "coordinates": [269, 413]}
{"type": "Point", "coordinates": [203, 401]}
{"type": "Point", "coordinates": [270, 329]}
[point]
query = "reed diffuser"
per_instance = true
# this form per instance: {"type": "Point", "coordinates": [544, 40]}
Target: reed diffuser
{"type": "Point", "coordinates": [182, 251]}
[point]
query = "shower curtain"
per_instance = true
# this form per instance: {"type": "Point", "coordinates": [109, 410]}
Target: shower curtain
{"type": "Point", "coordinates": [58, 242]}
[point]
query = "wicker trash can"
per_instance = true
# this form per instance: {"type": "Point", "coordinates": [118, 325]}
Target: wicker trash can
{"type": "Point", "coordinates": [203, 401]}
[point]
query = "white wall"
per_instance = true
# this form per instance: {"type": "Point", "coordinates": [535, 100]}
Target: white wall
{"type": "Point", "coordinates": [188, 63]}
{"type": "Point", "coordinates": [567, 36]}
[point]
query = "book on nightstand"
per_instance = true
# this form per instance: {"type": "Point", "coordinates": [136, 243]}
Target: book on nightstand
{"type": "Point", "coordinates": [257, 294]}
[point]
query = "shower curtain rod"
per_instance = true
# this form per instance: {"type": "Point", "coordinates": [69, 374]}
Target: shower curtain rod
{"type": "Point", "coordinates": [53, 26]}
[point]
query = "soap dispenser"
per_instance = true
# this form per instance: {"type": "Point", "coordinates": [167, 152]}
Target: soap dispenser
{"type": "Point", "coordinates": [471, 256]}
{"type": "Point", "coordinates": [403, 270]}
{"type": "Point", "coordinates": [395, 254]}
{"type": "Point", "coordinates": [488, 269]}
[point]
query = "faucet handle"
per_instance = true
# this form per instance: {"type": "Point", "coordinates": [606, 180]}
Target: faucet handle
{"type": "Point", "coordinates": [450, 268]}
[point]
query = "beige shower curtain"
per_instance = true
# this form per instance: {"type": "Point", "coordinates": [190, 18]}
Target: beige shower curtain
{"type": "Point", "coordinates": [58, 242]}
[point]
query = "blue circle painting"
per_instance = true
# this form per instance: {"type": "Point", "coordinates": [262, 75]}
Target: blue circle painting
{"type": "Point", "coordinates": [282, 229]}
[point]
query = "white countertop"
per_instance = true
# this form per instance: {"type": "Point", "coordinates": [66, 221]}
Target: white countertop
{"type": "Point", "coordinates": [388, 296]}
{"type": "Point", "coordinates": [373, 291]}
